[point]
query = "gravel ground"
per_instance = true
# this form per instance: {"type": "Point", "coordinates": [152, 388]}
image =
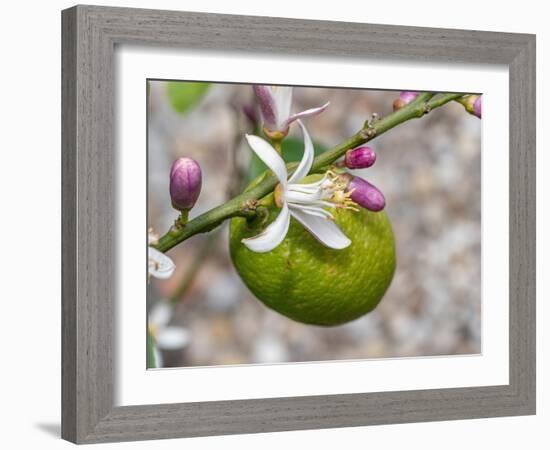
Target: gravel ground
{"type": "Point", "coordinates": [429, 171]}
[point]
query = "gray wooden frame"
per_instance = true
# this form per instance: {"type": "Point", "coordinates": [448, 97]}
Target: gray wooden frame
{"type": "Point", "coordinates": [90, 34]}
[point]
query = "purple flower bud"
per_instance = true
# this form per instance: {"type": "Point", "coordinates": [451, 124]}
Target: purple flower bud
{"type": "Point", "coordinates": [477, 107]}
{"type": "Point", "coordinates": [405, 97]}
{"type": "Point", "coordinates": [408, 96]}
{"type": "Point", "coordinates": [363, 193]}
{"type": "Point", "coordinates": [185, 183]}
{"type": "Point", "coordinates": [472, 104]}
{"type": "Point", "coordinates": [360, 158]}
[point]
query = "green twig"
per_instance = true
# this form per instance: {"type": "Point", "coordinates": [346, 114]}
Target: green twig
{"type": "Point", "coordinates": [241, 205]}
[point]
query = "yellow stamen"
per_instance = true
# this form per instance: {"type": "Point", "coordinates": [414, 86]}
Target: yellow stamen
{"type": "Point", "coordinates": [339, 197]}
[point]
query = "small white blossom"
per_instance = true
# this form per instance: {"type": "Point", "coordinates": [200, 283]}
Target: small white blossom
{"type": "Point", "coordinates": [275, 106]}
{"type": "Point", "coordinates": [160, 265]}
{"type": "Point", "coordinates": [307, 203]}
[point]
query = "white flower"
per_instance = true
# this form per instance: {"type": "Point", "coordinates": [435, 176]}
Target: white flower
{"type": "Point", "coordinates": [167, 337]}
{"type": "Point", "coordinates": [307, 203]}
{"type": "Point", "coordinates": [160, 265]}
{"type": "Point", "coordinates": [275, 104]}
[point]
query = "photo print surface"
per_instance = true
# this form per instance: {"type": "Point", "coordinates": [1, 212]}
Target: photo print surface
{"type": "Point", "coordinates": [295, 224]}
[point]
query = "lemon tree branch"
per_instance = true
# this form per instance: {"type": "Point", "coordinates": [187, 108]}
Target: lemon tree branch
{"type": "Point", "coordinates": [245, 203]}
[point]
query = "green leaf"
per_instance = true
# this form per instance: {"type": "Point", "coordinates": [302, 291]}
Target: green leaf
{"type": "Point", "coordinates": [184, 95]}
{"type": "Point", "coordinates": [151, 360]}
{"type": "Point", "coordinates": [293, 149]}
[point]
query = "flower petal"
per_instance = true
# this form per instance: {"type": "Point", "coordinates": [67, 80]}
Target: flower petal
{"type": "Point", "coordinates": [172, 338]}
{"type": "Point", "coordinates": [267, 105]}
{"type": "Point", "coordinates": [269, 156]}
{"type": "Point", "coordinates": [292, 196]}
{"type": "Point", "coordinates": [160, 265]}
{"type": "Point", "coordinates": [313, 210]}
{"type": "Point", "coordinates": [160, 314]}
{"type": "Point", "coordinates": [272, 236]}
{"type": "Point", "coordinates": [304, 188]}
{"type": "Point", "coordinates": [282, 96]}
{"type": "Point", "coordinates": [325, 231]}
{"type": "Point", "coordinates": [307, 159]}
{"type": "Point", "coordinates": [307, 113]}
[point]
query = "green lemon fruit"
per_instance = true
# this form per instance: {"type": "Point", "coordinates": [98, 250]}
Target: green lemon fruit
{"type": "Point", "coordinates": [314, 284]}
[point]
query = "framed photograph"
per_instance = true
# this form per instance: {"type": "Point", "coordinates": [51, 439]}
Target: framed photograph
{"type": "Point", "coordinates": [268, 230]}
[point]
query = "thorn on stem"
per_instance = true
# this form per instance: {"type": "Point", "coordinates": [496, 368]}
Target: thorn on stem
{"type": "Point", "coordinates": [369, 133]}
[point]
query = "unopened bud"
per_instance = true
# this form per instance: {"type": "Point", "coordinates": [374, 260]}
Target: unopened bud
{"type": "Point", "coordinates": [185, 183]}
{"type": "Point", "coordinates": [363, 193]}
{"type": "Point", "coordinates": [477, 107]}
{"type": "Point", "coordinates": [472, 104]}
{"type": "Point", "coordinates": [360, 158]}
{"type": "Point", "coordinates": [405, 97]}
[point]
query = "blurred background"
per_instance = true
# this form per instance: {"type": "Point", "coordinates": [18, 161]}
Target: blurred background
{"type": "Point", "coordinates": [429, 171]}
